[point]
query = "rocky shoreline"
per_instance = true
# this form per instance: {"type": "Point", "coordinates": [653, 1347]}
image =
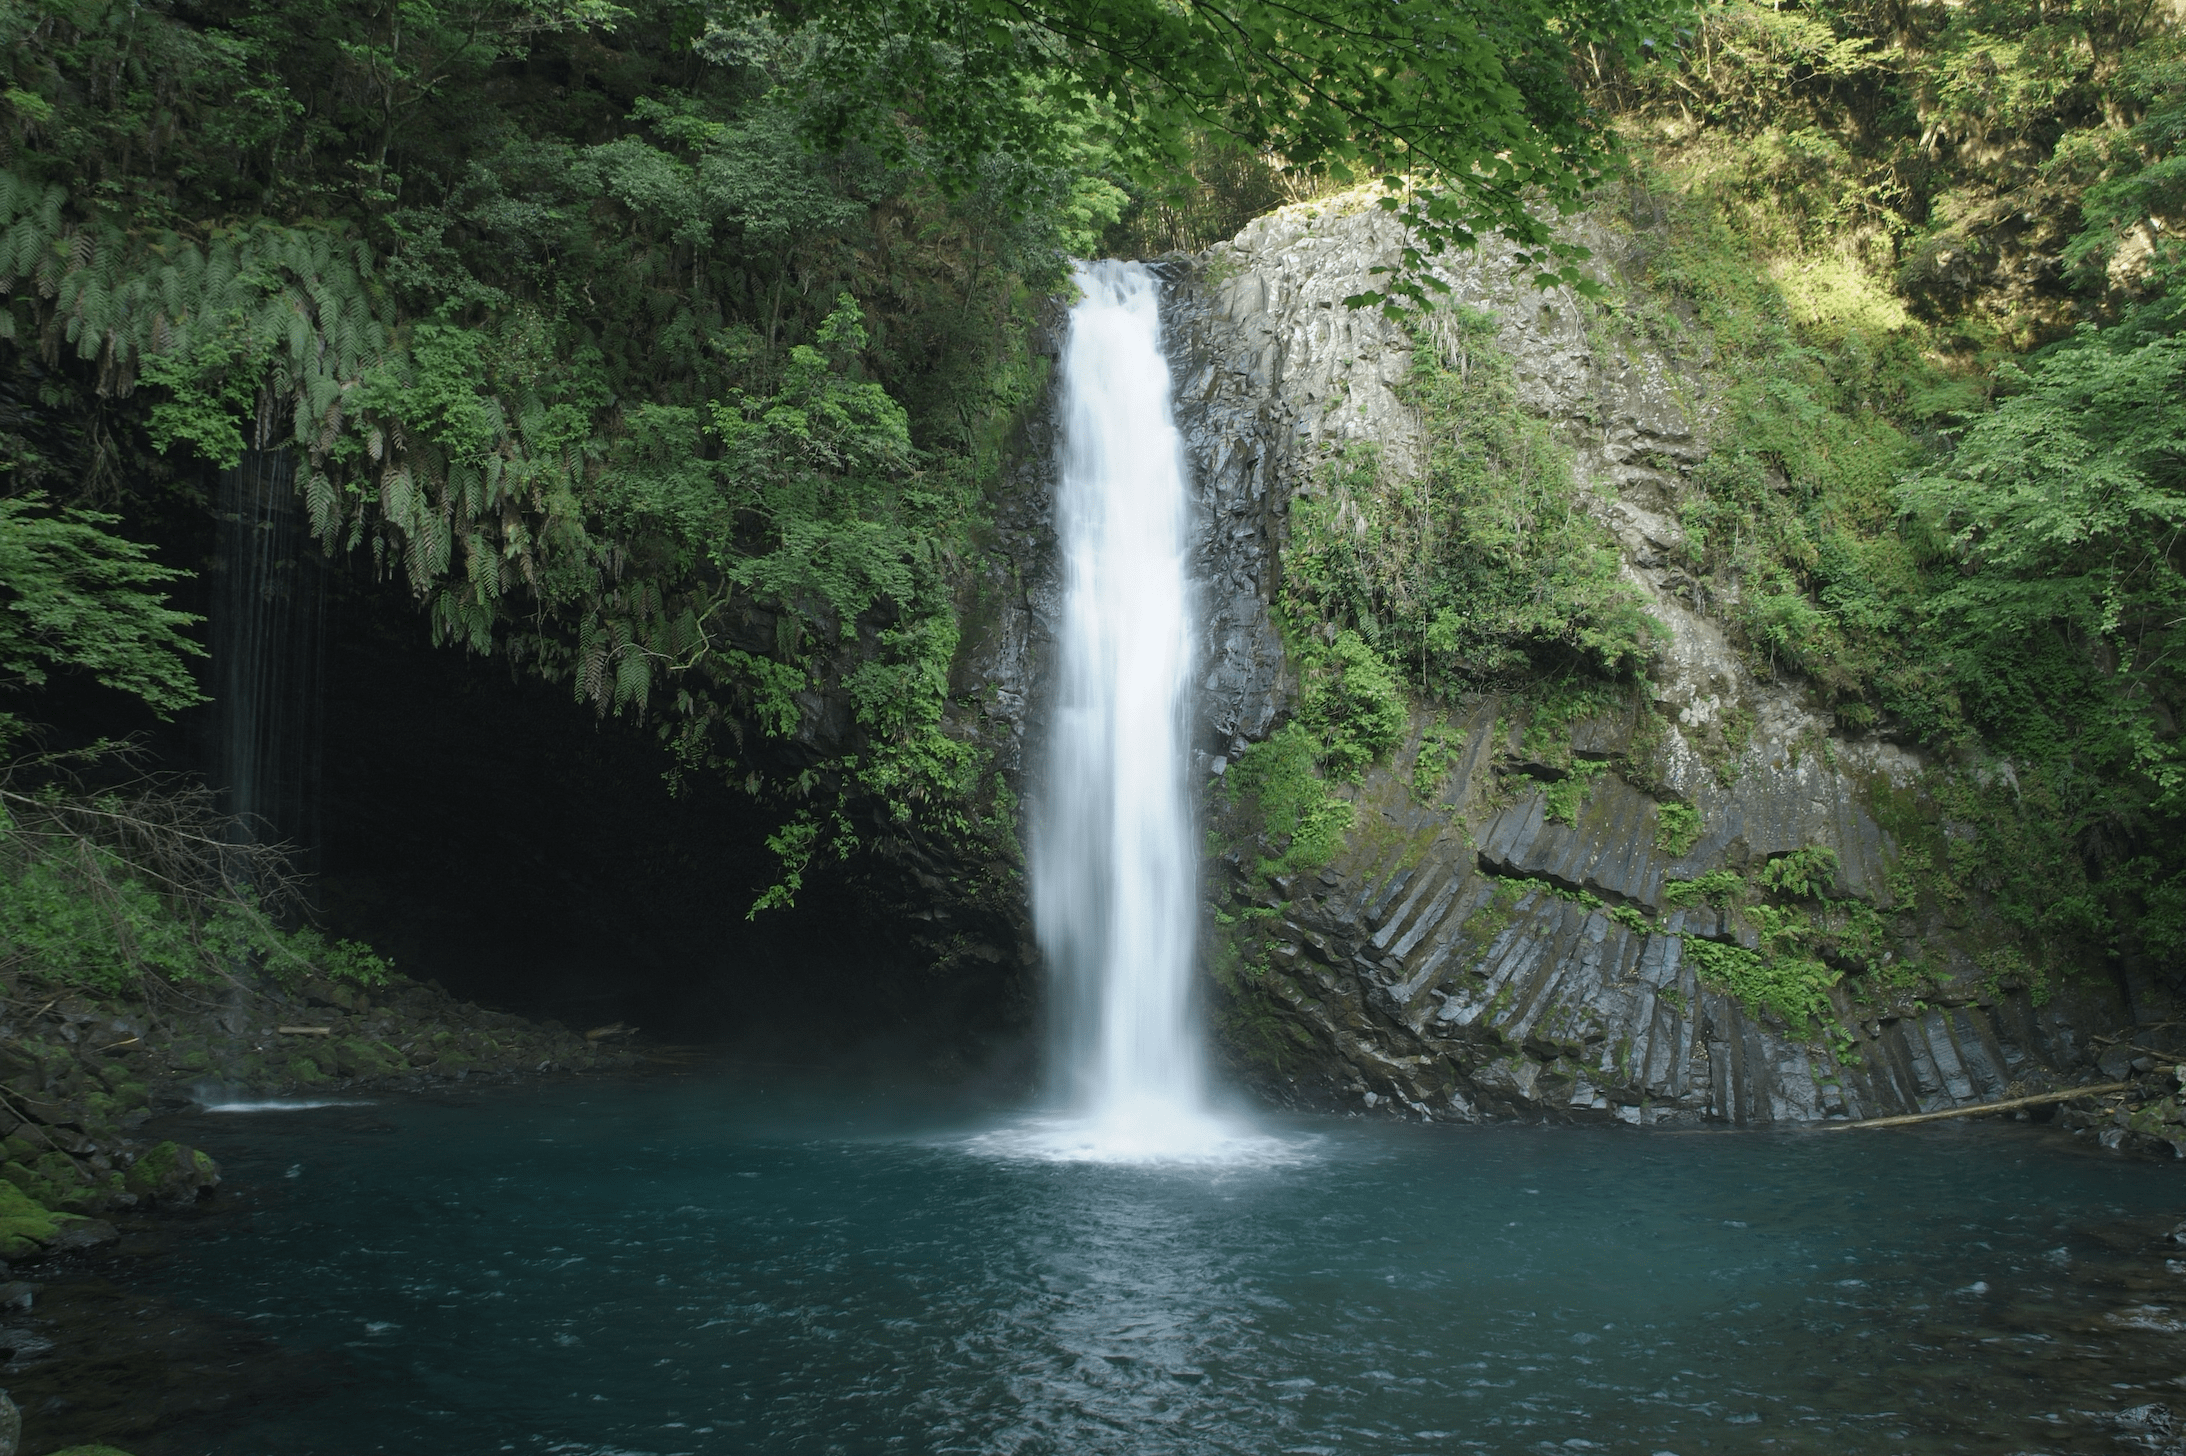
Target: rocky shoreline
{"type": "Point", "coordinates": [81, 1074]}
{"type": "Point", "coordinates": [2151, 1117]}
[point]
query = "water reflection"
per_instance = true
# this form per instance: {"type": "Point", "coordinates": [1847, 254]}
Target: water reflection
{"type": "Point", "coordinates": [693, 1269]}
{"type": "Point", "coordinates": [1117, 1322]}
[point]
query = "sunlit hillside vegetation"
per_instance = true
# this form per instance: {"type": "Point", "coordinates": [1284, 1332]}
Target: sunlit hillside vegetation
{"type": "Point", "coordinates": [672, 351]}
{"type": "Point", "coordinates": [1931, 250]}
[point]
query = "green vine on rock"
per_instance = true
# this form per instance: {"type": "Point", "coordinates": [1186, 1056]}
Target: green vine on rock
{"type": "Point", "coordinates": [1439, 747]}
{"type": "Point", "coordinates": [1793, 989]}
{"type": "Point", "coordinates": [1563, 798]}
{"type": "Point", "coordinates": [1678, 828]}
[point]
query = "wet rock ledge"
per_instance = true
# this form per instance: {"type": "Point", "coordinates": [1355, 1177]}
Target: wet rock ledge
{"type": "Point", "coordinates": [81, 1073]}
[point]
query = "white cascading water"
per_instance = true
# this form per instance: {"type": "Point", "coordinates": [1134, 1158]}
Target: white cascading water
{"type": "Point", "coordinates": [1114, 858]}
{"type": "Point", "coordinates": [1114, 864]}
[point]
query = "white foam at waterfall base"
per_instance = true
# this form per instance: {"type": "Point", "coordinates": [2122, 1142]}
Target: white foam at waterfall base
{"type": "Point", "coordinates": [1152, 1136]}
{"type": "Point", "coordinates": [1114, 854]}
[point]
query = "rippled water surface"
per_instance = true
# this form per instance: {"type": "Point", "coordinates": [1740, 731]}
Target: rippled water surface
{"type": "Point", "coordinates": [714, 1264]}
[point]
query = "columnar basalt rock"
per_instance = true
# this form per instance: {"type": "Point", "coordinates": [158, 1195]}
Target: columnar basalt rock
{"type": "Point", "coordinates": [1469, 956]}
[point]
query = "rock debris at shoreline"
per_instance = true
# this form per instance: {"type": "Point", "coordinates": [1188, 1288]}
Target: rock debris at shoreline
{"type": "Point", "coordinates": [80, 1073]}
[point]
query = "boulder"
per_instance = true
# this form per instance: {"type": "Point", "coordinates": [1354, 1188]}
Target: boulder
{"type": "Point", "coordinates": [171, 1173]}
{"type": "Point", "coordinates": [78, 1235]}
{"type": "Point", "coordinates": [25, 1224]}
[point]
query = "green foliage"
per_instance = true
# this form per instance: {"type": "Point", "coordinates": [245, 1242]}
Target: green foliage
{"type": "Point", "coordinates": [1301, 818]}
{"type": "Point", "coordinates": [1222, 186]}
{"type": "Point", "coordinates": [305, 951]}
{"type": "Point", "coordinates": [1484, 115]}
{"type": "Point", "coordinates": [793, 845]}
{"type": "Point", "coordinates": [1805, 940]}
{"type": "Point", "coordinates": [74, 595]}
{"type": "Point", "coordinates": [1564, 796]}
{"type": "Point", "coordinates": [1803, 874]}
{"type": "Point", "coordinates": [1793, 989]}
{"type": "Point", "coordinates": [1929, 163]}
{"type": "Point", "coordinates": [1677, 828]}
{"type": "Point", "coordinates": [1721, 888]}
{"type": "Point", "coordinates": [2064, 506]}
{"type": "Point", "coordinates": [1485, 567]}
{"type": "Point", "coordinates": [1352, 702]}
{"type": "Point", "coordinates": [2006, 969]}
{"type": "Point", "coordinates": [1554, 706]}
{"type": "Point", "coordinates": [1352, 711]}
{"type": "Point", "coordinates": [110, 910]}
{"type": "Point", "coordinates": [1439, 747]}
{"type": "Point", "coordinates": [88, 922]}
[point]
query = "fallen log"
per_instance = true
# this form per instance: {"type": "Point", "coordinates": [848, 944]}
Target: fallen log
{"type": "Point", "coordinates": [1977, 1109]}
{"type": "Point", "coordinates": [304, 1030]}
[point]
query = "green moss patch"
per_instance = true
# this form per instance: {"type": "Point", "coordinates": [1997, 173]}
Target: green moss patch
{"type": "Point", "coordinates": [24, 1223]}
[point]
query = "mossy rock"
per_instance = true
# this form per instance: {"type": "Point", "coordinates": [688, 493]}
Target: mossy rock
{"type": "Point", "coordinates": [129, 1096]}
{"type": "Point", "coordinates": [172, 1173]}
{"type": "Point", "coordinates": [2157, 1119]}
{"type": "Point", "coordinates": [306, 1071]}
{"type": "Point", "coordinates": [152, 1166]}
{"type": "Point", "coordinates": [25, 1224]}
{"type": "Point", "coordinates": [59, 1169]}
{"type": "Point", "coordinates": [355, 1057]}
{"type": "Point", "coordinates": [92, 1451]}
{"type": "Point", "coordinates": [39, 1189]}
{"type": "Point", "coordinates": [103, 1192]}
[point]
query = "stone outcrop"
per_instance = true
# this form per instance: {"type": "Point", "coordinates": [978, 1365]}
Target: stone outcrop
{"type": "Point", "coordinates": [1465, 956]}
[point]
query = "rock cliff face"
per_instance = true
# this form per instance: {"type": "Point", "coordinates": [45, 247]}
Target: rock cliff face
{"type": "Point", "coordinates": [1465, 955]}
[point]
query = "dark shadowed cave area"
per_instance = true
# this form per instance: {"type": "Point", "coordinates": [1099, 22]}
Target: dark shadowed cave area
{"type": "Point", "coordinates": [484, 831]}
{"type": "Point", "coordinates": [487, 832]}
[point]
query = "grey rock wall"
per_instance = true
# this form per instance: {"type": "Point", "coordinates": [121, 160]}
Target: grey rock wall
{"type": "Point", "coordinates": [1433, 969]}
{"type": "Point", "coordinates": [1417, 973]}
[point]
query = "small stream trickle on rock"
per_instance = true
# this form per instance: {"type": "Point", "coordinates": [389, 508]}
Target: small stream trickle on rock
{"type": "Point", "coordinates": [1114, 864]}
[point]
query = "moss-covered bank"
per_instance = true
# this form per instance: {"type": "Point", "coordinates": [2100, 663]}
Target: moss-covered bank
{"type": "Point", "coordinates": [82, 1072]}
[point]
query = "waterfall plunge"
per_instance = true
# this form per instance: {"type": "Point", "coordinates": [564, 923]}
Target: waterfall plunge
{"type": "Point", "coordinates": [1115, 867]}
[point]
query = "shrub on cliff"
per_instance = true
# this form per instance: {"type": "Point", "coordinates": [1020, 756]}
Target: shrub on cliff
{"type": "Point", "coordinates": [1482, 568]}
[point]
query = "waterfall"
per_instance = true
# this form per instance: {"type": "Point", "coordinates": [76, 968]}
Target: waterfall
{"type": "Point", "coordinates": [1114, 865]}
{"type": "Point", "coordinates": [268, 630]}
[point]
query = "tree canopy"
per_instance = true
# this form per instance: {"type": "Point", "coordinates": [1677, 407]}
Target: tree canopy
{"type": "Point", "coordinates": [1471, 116]}
{"type": "Point", "coordinates": [668, 348]}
